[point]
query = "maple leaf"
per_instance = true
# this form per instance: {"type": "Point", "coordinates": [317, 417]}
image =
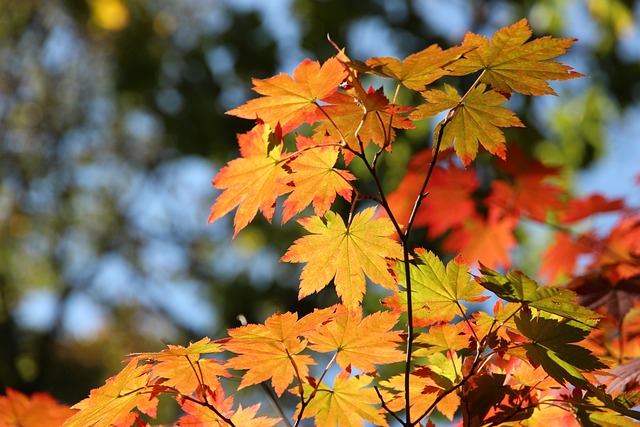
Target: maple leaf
{"type": "Point", "coordinates": [621, 248]}
{"type": "Point", "coordinates": [448, 204]}
{"type": "Point", "coordinates": [598, 290]}
{"type": "Point", "coordinates": [371, 119]}
{"type": "Point", "coordinates": [361, 343]}
{"type": "Point", "coordinates": [445, 337]}
{"type": "Point", "coordinates": [560, 257]}
{"type": "Point", "coordinates": [551, 346]}
{"type": "Point", "coordinates": [417, 70]}
{"type": "Point", "coordinates": [437, 291]}
{"type": "Point", "coordinates": [349, 403]}
{"type": "Point", "coordinates": [580, 208]}
{"type": "Point", "coordinates": [476, 119]}
{"type": "Point", "coordinates": [315, 179]}
{"type": "Point", "coordinates": [200, 415]}
{"type": "Point", "coordinates": [184, 369]}
{"type": "Point", "coordinates": [449, 201]}
{"type": "Point", "coordinates": [423, 392]}
{"type": "Point", "coordinates": [113, 403]}
{"type": "Point", "coordinates": [487, 241]}
{"type": "Point", "coordinates": [489, 401]}
{"type": "Point", "coordinates": [517, 287]}
{"type": "Point", "coordinates": [528, 194]}
{"type": "Point", "coordinates": [253, 181]}
{"type": "Point", "coordinates": [334, 251]}
{"type": "Point", "coordinates": [530, 190]}
{"type": "Point", "coordinates": [511, 64]}
{"type": "Point", "coordinates": [37, 410]}
{"type": "Point", "coordinates": [270, 351]}
{"type": "Point", "coordinates": [292, 101]}
{"type": "Point", "coordinates": [627, 377]}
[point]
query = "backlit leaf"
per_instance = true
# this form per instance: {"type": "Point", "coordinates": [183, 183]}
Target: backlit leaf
{"type": "Point", "coordinates": [419, 69]}
{"type": "Point", "coordinates": [345, 255]}
{"type": "Point", "coordinates": [511, 64]}
{"type": "Point", "coordinates": [315, 179]}
{"type": "Point", "coordinates": [517, 287]}
{"type": "Point", "coordinates": [361, 343]}
{"type": "Point", "coordinates": [184, 368]}
{"type": "Point", "coordinates": [372, 119]}
{"type": "Point", "coordinates": [580, 208]}
{"type": "Point", "coordinates": [485, 240]}
{"type": "Point", "coordinates": [292, 101]}
{"type": "Point", "coordinates": [349, 402]}
{"type": "Point", "coordinates": [441, 338]}
{"type": "Point", "coordinates": [253, 181]}
{"type": "Point", "coordinates": [37, 410]}
{"type": "Point", "coordinates": [437, 292]}
{"type": "Point", "coordinates": [561, 257]}
{"type": "Point", "coordinates": [113, 403]}
{"type": "Point", "coordinates": [476, 120]}
{"type": "Point", "coordinates": [270, 351]}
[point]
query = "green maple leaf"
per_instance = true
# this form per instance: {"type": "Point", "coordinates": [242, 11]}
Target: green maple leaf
{"type": "Point", "coordinates": [513, 64]}
{"type": "Point", "coordinates": [437, 291]}
{"type": "Point", "coordinates": [517, 287]}
{"type": "Point", "coordinates": [551, 346]}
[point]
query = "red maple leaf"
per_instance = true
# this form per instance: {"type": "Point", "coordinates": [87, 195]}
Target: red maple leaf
{"type": "Point", "coordinates": [579, 208]}
{"type": "Point", "coordinates": [487, 240]}
{"type": "Point", "coordinates": [560, 258]}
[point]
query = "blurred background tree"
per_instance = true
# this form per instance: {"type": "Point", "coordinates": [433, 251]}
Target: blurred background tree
{"type": "Point", "coordinates": [112, 126]}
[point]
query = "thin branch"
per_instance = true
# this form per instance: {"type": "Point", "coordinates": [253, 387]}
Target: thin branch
{"type": "Point", "coordinates": [305, 403]}
{"type": "Point", "coordinates": [385, 407]}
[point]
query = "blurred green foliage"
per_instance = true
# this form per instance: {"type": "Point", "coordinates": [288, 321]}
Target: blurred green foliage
{"type": "Point", "coordinates": [112, 125]}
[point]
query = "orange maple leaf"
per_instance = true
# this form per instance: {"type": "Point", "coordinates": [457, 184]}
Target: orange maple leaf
{"type": "Point", "coordinates": [113, 403]}
{"type": "Point", "coordinates": [184, 368]}
{"type": "Point", "coordinates": [200, 415]}
{"type": "Point", "coordinates": [292, 102]}
{"type": "Point", "coordinates": [354, 121]}
{"type": "Point", "coordinates": [488, 241]}
{"type": "Point", "coordinates": [476, 119]}
{"type": "Point", "coordinates": [560, 258]}
{"type": "Point", "coordinates": [423, 391]}
{"type": "Point", "coordinates": [361, 343]}
{"type": "Point", "coordinates": [419, 69]}
{"type": "Point", "coordinates": [253, 181]}
{"type": "Point", "coordinates": [510, 64]}
{"type": "Point", "coordinates": [271, 351]}
{"type": "Point", "coordinates": [334, 251]}
{"type": "Point", "coordinates": [348, 403]}
{"type": "Point", "coordinates": [315, 179]}
{"type": "Point", "coordinates": [621, 248]}
{"type": "Point", "coordinates": [37, 410]}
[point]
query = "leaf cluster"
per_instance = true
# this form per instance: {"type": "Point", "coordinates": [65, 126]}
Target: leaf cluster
{"type": "Point", "coordinates": [429, 349]}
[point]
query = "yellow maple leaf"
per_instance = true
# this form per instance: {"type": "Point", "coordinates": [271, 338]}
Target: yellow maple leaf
{"type": "Point", "coordinates": [334, 251]}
